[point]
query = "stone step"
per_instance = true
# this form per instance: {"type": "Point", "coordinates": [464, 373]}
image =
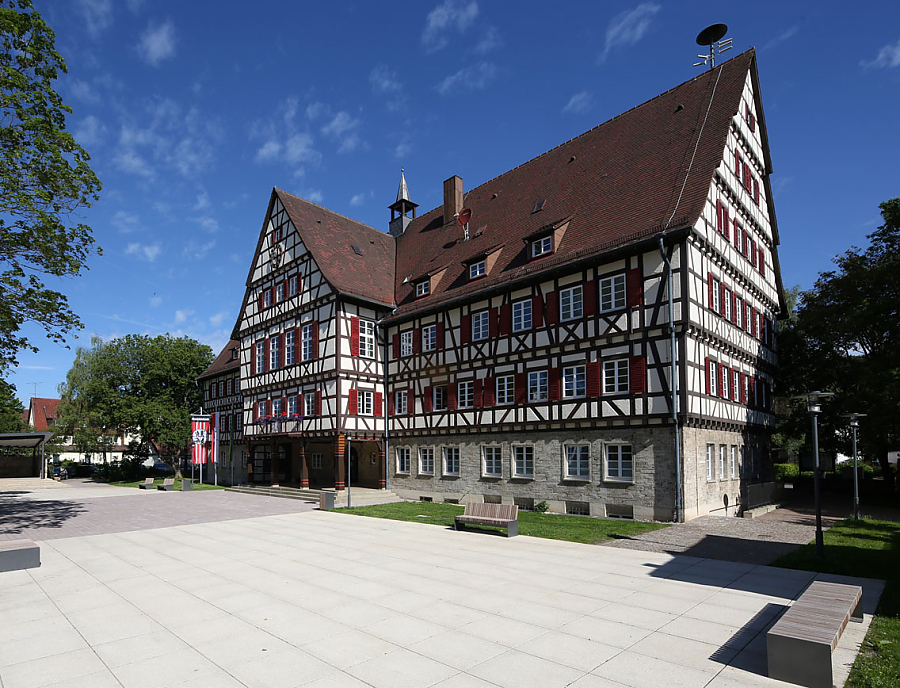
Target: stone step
{"type": "Point", "coordinates": [304, 495]}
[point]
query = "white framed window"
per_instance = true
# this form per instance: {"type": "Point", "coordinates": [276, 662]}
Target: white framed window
{"type": "Point", "coordinates": [710, 461]}
{"type": "Point", "coordinates": [401, 399]}
{"type": "Point", "coordinates": [492, 462]}
{"type": "Point", "coordinates": [293, 285]}
{"type": "Point", "coordinates": [612, 293]}
{"type": "Point", "coordinates": [619, 462]}
{"type": "Point", "coordinates": [477, 270]}
{"type": "Point", "coordinates": [713, 374]}
{"type": "Point", "coordinates": [316, 461]}
{"type": "Point", "coordinates": [403, 459]}
{"type": "Point", "coordinates": [716, 296]}
{"type": "Point", "coordinates": [290, 347]}
{"type": "Point", "coordinates": [726, 379]}
{"type": "Point", "coordinates": [221, 388]}
{"type": "Point", "coordinates": [734, 466]}
{"type": "Point", "coordinates": [451, 460]}
{"type": "Point", "coordinates": [739, 312]}
{"type": "Point", "coordinates": [570, 303]}
{"type": "Point", "coordinates": [366, 338]}
{"type": "Point", "coordinates": [306, 345]}
{"type": "Point", "coordinates": [406, 342]}
{"type": "Point", "coordinates": [523, 461]}
{"type": "Point", "coordinates": [309, 404]}
{"type": "Point", "coordinates": [273, 353]}
{"type": "Point", "coordinates": [573, 378]}
{"type": "Point", "coordinates": [364, 402]}
{"type": "Point", "coordinates": [521, 315]}
{"type": "Point", "coordinates": [238, 421]}
{"type": "Point", "coordinates": [541, 246]}
{"type": "Point", "coordinates": [506, 389]}
{"type": "Point", "coordinates": [292, 406]}
{"type": "Point", "coordinates": [260, 357]}
{"type": "Point", "coordinates": [722, 473]}
{"type": "Point", "coordinates": [429, 338]}
{"type": "Point", "coordinates": [267, 298]}
{"type": "Point", "coordinates": [748, 317]}
{"type": "Point", "coordinates": [279, 292]}
{"type": "Point", "coordinates": [746, 390]}
{"type": "Point", "coordinates": [728, 304]}
{"type": "Point", "coordinates": [426, 460]}
{"type": "Point", "coordinates": [615, 376]}
{"type": "Point", "coordinates": [481, 326]}
{"type": "Point", "coordinates": [465, 394]}
{"type": "Point", "coordinates": [262, 409]}
{"type": "Point", "coordinates": [228, 387]}
{"type": "Point", "coordinates": [423, 288]}
{"type": "Point", "coordinates": [537, 386]}
{"type": "Point", "coordinates": [735, 385]}
{"type": "Point", "coordinates": [276, 408]}
{"type": "Point", "coordinates": [439, 398]}
{"type": "Point", "coordinates": [578, 461]}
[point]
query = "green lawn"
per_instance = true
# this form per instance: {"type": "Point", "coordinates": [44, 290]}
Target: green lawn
{"type": "Point", "coordinates": [158, 481]}
{"type": "Point", "coordinates": [552, 526]}
{"type": "Point", "coordinates": [870, 549]}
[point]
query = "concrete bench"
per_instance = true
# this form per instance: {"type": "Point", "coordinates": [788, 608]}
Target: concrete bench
{"type": "Point", "coordinates": [19, 554]}
{"type": "Point", "coordinates": [502, 515]}
{"type": "Point", "coordinates": [800, 644]}
{"type": "Point", "coordinates": [167, 484]}
{"type": "Point", "coordinates": [146, 485]}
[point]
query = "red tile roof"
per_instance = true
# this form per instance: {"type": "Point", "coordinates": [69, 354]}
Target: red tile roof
{"type": "Point", "coordinates": [224, 361]}
{"type": "Point", "coordinates": [44, 411]}
{"type": "Point", "coordinates": [621, 182]}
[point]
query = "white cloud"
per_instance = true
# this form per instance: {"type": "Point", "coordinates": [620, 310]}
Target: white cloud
{"type": "Point", "coordinates": [475, 77]}
{"type": "Point", "coordinates": [629, 27]}
{"type": "Point", "coordinates": [269, 151]}
{"type": "Point", "coordinates": [157, 43]}
{"type": "Point", "coordinates": [182, 316]}
{"type": "Point", "coordinates": [218, 319]}
{"type": "Point", "coordinates": [579, 103]}
{"type": "Point", "coordinates": [155, 301]}
{"type": "Point", "coordinates": [197, 251]}
{"type": "Point", "coordinates": [450, 16]}
{"type": "Point", "coordinates": [202, 201]}
{"type": "Point", "coordinates": [385, 81]}
{"type": "Point", "coordinates": [126, 222]}
{"type": "Point", "coordinates": [313, 195]}
{"type": "Point", "coordinates": [782, 37]}
{"type": "Point", "coordinates": [210, 224]}
{"type": "Point", "coordinates": [97, 15]}
{"type": "Point", "coordinates": [149, 252]}
{"type": "Point", "coordinates": [298, 149]}
{"type": "Point", "coordinates": [89, 132]}
{"type": "Point", "coordinates": [361, 198]}
{"type": "Point", "coordinates": [84, 92]}
{"type": "Point", "coordinates": [343, 128]}
{"type": "Point", "coordinates": [403, 148]}
{"type": "Point", "coordinates": [888, 56]}
{"type": "Point", "coordinates": [316, 110]}
{"type": "Point", "coordinates": [490, 41]}
{"type": "Point", "coordinates": [131, 162]}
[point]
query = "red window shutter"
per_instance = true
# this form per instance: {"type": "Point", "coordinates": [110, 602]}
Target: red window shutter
{"type": "Point", "coordinates": [284, 406]}
{"type": "Point", "coordinates": [752, 123]}
{"type": "Point", "coordinates": [537, 311]}
{"type": "Point", "coordinates": [756, 191]}
{"type": "Point", "coordinates": [451, 395]}
{"type": "Point", "coordinates": [708, 377]}
{"type": "Point", "coordinates": [298, 344]}
{"type": "Point", "coordinates": [353, 402]}
{"type": "Point", "coordinates": [266, 356]}
{"type": "Point", "coordinates": [477, 393]}
{"type": "Point", "coordinates": [426, 399]}
{"type": "Point", "coordinates": [737, 162]}
{"type": "Point", "coordinates": [589, 298]}
{"type": "Point", "coordinates": [391, 407]}
{"type": "Point", "coordinates": [439, 335]}
{"type": "Point", "coordinates": [764, 333]}
{"type": "Point", "coordinates": [284, 289]}
{"type": "Point", "coordinates": [377, 404]}
{"type": "Point", "coordinates": [315, 338]}
{"type": "Point", "coordinates": [551, 310]}
{"type": "Point", "coordinates": [748, 182]}
{"type": "Point", "coordinates": [354, 336]}
{"type": "Point", "coordinates": [753, 329]}
{"type": "Point", "coordinates": [752, 400]}
{"type": "Point", "coordinates": [255, 410]}
{"type": "Point", "coordinates": [553, 384]}
{"type": "Point", "coordinates": [253, 358]}
{"type": "Point", "coordinates": [634, 287]}
{"type": "Point", "coordinates": [637, 374]}
{"type": "Point", "coordinates": [721, 298]}
{"type": "Point", "coordinates": [521, 393]}
{"type": "Point", "coordinates": [411, 401]}
{"type": "Point", "coordinates": [752, 251]}
{"type": "Point", "coordinates": [465, 329]}
{"type": "Point", "coordinates": [493, 323]}
{"type": "Point", "coordinates": [318, 402]}
{"type": "Point", "coordinates": [417, 340]}
{"type": "Point", "coordinates": [712, 286]}
{"type": "Point", "coordinates": [395, 343]}
{"type": "Point", "coordinates": [734, 307]}
{"type": "Point", "coordinates": [743, 390]}
{"type": "Point", "coordinates": [761, 262]}
{"type": "Point", "coordinates": [719, 216]}
{"type": "Point", "coordinates": [737, 233]}
{"type": "Point", "coordinates": [262, 303]}
{"type": "Point", "coordinates": [593, 379]}
{"type": "Point", "coordinates": [487, 387]}
{"type": "Point", "coordinates": [726, 226]}
{"type": "Point", "coordinates": [505, 319]}
{"type": "Point", "coordinates": [281, 350]}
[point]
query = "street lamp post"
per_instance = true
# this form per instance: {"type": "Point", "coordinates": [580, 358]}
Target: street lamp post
{"type": "Point", "coordinates": [854, 423]}
{"type": "Point", "coordinates": [814, 407]}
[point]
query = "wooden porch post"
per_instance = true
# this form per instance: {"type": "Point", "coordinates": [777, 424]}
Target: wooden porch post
{"type": "Point", "coordinates": [304, 469]}
{"type": "Point", "coordinates": [340, 451]}
{"type": "Point", "coordinates": [381, 457]}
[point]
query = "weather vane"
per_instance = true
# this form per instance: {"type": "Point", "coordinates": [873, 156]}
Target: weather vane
{"type": "Point", "coordinates": [711, 36]}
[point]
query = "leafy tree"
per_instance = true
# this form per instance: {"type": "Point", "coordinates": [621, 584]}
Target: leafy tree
{"type": "Point", "coordinates": [137, 385]}
{"type": "Point", "coordinates": [846, 339]}
{"type": "Point", "coordinates": [44, 179]}
{"type": "Point", "coordinates": [10, 409]}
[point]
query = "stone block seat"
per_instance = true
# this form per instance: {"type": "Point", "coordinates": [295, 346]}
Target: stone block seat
{"type": "Point", "coordinates": [501, 515]}
{"type": "Point", "coordinates": [168, 484]}
{"type": "Point", "coordinates": [146, 485]}
{"type": "Point", "coordinates": [19, 554]}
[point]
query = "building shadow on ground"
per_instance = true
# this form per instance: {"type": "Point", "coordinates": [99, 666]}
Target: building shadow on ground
{"type": "Point", "coordinates": [18, 516]}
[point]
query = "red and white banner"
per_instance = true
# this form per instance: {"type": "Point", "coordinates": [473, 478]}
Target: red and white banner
{"type": "Point", "coordinates": [199, 438]}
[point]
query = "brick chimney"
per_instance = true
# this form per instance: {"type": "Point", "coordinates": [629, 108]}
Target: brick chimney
{"type": "Point", "coordinates": [453, 198]}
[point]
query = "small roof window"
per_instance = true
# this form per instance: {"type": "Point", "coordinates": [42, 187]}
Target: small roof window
{"type": "Point", "coordinates": [538, 206]}
{"type": "Point", "coordinates": [356, 250]}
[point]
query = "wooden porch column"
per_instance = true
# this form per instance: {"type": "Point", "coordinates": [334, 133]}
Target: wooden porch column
{"type": "Point", "coordinates": [304, 469]}
{"type": "Point", "coordinates": [274, 462]}
{"type": "Point", "coordinates": [340, 458]}
{"type": "Point", "coordinates": [381, 457]}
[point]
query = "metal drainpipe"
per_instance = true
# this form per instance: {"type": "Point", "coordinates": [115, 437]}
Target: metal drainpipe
{"type": "Point", "coordinates": [678, 508]}
{"type": "Point", "coordinates": [385, 404]}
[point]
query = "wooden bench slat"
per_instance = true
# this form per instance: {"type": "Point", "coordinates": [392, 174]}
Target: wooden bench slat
{"type": "Point", "coordinates": [501, 515]}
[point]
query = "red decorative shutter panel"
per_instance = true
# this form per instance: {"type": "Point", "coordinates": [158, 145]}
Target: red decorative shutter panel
{"type": "Point", "coordinates": [761, 262]}
{"type": "Point", "coordinates": [726, 227]}
{"type": "Point", "coordinates": [719, 216]}
{"type": "Point", "coordinates": [725, 221]}
{"type": "Point", "coordinates": [426, 399]}
{"type": "Point", "coordinates": [593, 379]}
{"type": "Point", "coordinates": [417, 340]}
{"type": "Point", "coordinates": [753, 391]}
{"type": "Point", "coordinates": [487, 387]}
{"type": "Point", "coordinates": [391, 408]}
{"type": "Point", "coordinates": [465, 329]}
{"type": "Point", "coordinates": [439, 336]}
{"type": "Point", "coordinates": [315, 338]}
{"type": "Point", "coordinates": [395, 343]}
{"type": "Point", "coordinates": [377, 405]}
{"type": "Point", "coordinates": [411, 401]}
{"type": "Point", "coordinates": [451, 395]}
{"type": "Point", "coordinates": [537, 311]}
{"type": "Point", "coordinates": [752, 123]}
{"type": "Point", "coordinates": [743, 391]}
{"type": "Point", "coordinates": [354, 336]}
{"type": "Point", "coordinates": [737, 233]}
{"type": "Point", "coordinates": [521, 393]}
{"type": "Point", "coordinates": [284, 289]}
{"type": "Point", "coordinates": [737, 162]}
{"type": "Point", "coordinates": [721, 298]}
{"type": "Point", "coordinates": [353, 403]}
{"type": "Point", "coordinates": [255, 410]}
{"type": "Point", "coordinates": [748, 182]}
{"type": "Point", "coordinates": [253, 358]}
{"type": "Point", "coordinates": [637, 374]}
{"type": "Point", "coordinates": [267, 356]}
{"type": "Point", "coordinates": [281, 350]}
{"type": "Point", "coordinates": [756, 191]}
{"type": "Point", "coordinates": [589, 298]}
{"type": "Point", "coordinates": [318, 402]}
{"type": "Point", "coordinates": [505, 319]}
{"type": "Point", "coordinates": [734, 307]}
{"type": "Point", "coordinates": [493, 323]}
{"type": "Point", "coordinates": [753, 329]}
{"type": "Point", "coordinates": [551, 310]}
{"type": "Point", "coordinates": [708, 378]}
{"type": "Point", "coordinates": [477, 393]}
{"type": "Point", "coordinates": [712, 286]}
{"type": "Point", "coordinates": [634, 287]}
{"type": "Point", "coordinates": [553, 384]}
{"type": "Point", "coordinates": [262, 301]}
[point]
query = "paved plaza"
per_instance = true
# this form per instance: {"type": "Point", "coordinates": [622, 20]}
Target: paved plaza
{"type": "Point", "coordinates": [319, 599]}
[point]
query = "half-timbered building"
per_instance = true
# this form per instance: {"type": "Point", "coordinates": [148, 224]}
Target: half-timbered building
{"type": "Point", "coordinates": [221, 387]}
{"type": "Point", "coordinates": [516, 343]}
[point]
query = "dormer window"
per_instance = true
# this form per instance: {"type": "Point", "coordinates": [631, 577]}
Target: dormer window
{"type": "Point", "coordinates": [542, 246]}
{"type": "Point", "coordinates": [477, 270]}
{"type": "Point", "coordinates": [423, 288]}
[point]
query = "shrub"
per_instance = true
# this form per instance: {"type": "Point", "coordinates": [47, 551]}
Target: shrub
{"type": "Point", "coordinates": [541, 507]}
{"type": "Point", "coordinates": [786, 472]}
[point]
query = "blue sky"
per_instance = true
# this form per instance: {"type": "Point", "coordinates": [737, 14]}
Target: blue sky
{"type": "Point", "coordinates": [193, 111]}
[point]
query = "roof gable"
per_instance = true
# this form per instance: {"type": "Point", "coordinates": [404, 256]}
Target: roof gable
{"type": "Point", "coordinates": [225, 361]}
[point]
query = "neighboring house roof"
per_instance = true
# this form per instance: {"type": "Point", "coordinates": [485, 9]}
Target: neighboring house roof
{"type": "Point", "coordinates": [42, 413]}
{"type": "Point", "coordinates": [621, 182]}
{"type": "Point", "coordinates": [224, 361]}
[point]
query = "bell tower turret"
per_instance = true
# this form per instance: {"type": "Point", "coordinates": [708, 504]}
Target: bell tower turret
{"type": "Point", "coordinates": [401, 209]}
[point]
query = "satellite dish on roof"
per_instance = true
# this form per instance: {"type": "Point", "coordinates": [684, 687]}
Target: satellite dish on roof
{"type": "Point", "coordinates": [711, 34]}
{"type": "Point", "coordinates": [464, 216]}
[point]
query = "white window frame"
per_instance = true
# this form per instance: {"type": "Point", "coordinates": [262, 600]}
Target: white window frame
{"type": "Point", "coordinates": [426, 460]}
{"type": "Point", "coordinates": [495, 461]}
{"type": "Point", "coordinates": [293, 285]}
{"type": "Point", "coordinates": [438, 393]}
{"type": "Point", "coordinates": [713, 374]}
{"type": "Point", "coordinates": [717, 295]}
{"type": "Point", "coordinates": [739, 312]}
{"type": "Point", "coordinates": [728, 304]}
{"type": "Point", "coordinates": [477, 270]}
{"type": "Point", "coordinates": [229, 387]}
{"type": "Point", "coordinates": [722, 473]}
{"type": "Point", "coordinates": [735, 385]}
{"type": "Point", "coordinates": [267, 298]}
{"type": "Point", "coordinates": [290, 347]}
{"type": "Point", "coordinates": [618, 460]}
{"type": "Point", "coordinates": [571, 303]}
{"type": "Point", "coordinates": [521, 315]}
{"type": "Point", "coordinates": [734, 467]}
{"type": "Point", "coordinates": [260, 357]}
{"type": "Point", "coordinates": [465, 394]}
{"type": "Point", "coordinates": [423, 288]}
{"type": "Point", "coordinates": [538, 386]}
{"type": "Point", "coordinates": [279, 292]}
{"type": "Point", "coordinates": [406, 342]}
{"type": "Point", "coordinates": [616, 376]}
{"type": "Point", "coordinates": [710, 462]}
{"type": "Point", "coordinates": [429, 338]}
{"type": "Point", "coordinates": [276, 407]}
{"type": "Point", "coordinates": [726, 385]}
{"type": "Point", "coordinates": [524, 454]}
{"type": "Point", "coordinates": [306, 344]}
{"type": "Point", "coordinates": [481, 325]}
{"type": "Point", "coordinates": [366, 338]}
{"type": "Point", "coordinates": [309, 404]}
{"type": "Point", "coordinates": [365, 402]}
{"type": "Point", "coordinates": [292, 406]}
{"type": "Point", "coordinates": [542, 246]}
{"type": "Point", "coordinates": [403, 460]}
{"type": "Point", "coordinates": [262, 408]}
{"type": "Point", "coordinates": [612, 293]}
{"type": "Point", "coordinates": [273, 353]}
{"type": "Point", "coordinates": [449, 452]}
{"type": "Point", "coordinates": [401, 402]}
{"type": "Point", "coordinates": [579, 456]}
{"type": "Point", "coordinates": [574, 382]}
{"type": "Point", "coordinates": [505, 390]}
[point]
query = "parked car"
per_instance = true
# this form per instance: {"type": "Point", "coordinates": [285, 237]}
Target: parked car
{"type": "Point", "coordinates": [60, 472]}
{"type": "Point", "coordinates": [84, 470]}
